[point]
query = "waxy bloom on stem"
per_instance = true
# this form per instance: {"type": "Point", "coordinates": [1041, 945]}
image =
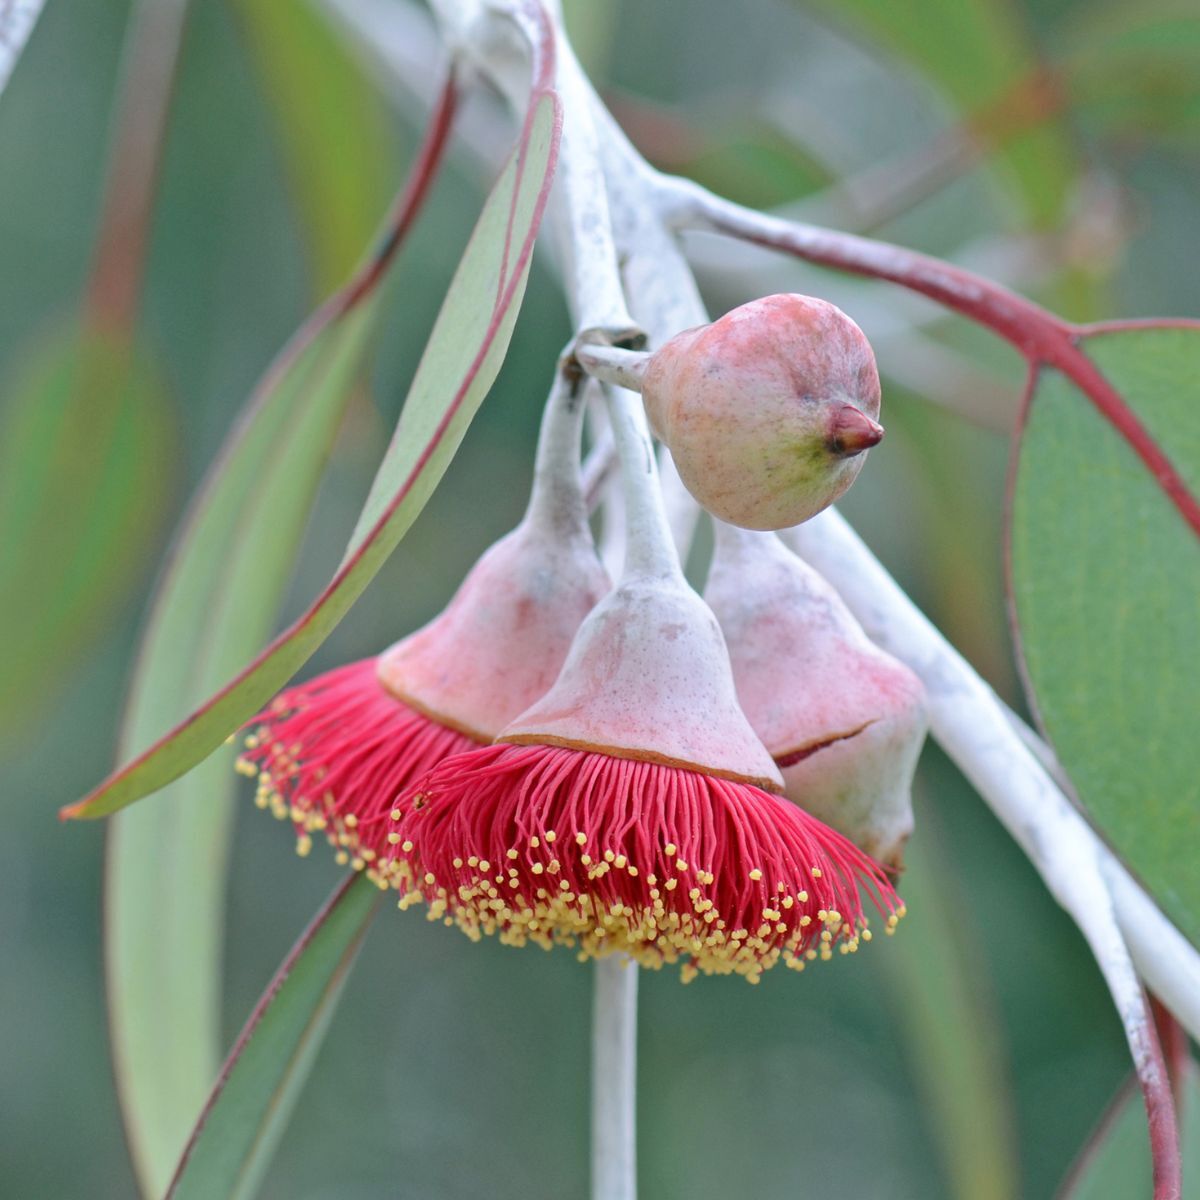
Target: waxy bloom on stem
{"type": "Point", "coordinates": [334, 754]}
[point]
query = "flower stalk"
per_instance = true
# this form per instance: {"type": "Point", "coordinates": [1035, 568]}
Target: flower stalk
{"type": "Point", "coordinates": [614, 1079]}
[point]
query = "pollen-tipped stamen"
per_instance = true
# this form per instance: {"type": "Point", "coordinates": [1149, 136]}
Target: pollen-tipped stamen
{"type": "Point", "coordinates": [333, 755]}
{"type": "Point", "coordinates": [548, 845]}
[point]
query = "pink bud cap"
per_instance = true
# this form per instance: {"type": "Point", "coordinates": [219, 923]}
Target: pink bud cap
{"type": "Point", "coordinates": [843, 719]}
{"type": "Point", "coordinates": [648, 678]}
{"type": "Point", "coordinates": [502, 639]}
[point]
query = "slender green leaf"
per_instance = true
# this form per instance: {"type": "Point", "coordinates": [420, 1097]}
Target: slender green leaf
{"type": "Point", "coordinates": [460, 362]}
{"type": "Point", "coordinates": [1106, 591]}
{"type": "Point", "coordinates": [1116, 1161]}
{"type": "Point", "coordinates": [214, 607]}
{"type": "Point", "coordinates": [165, 877]}
{"type": "Point", "coordinates": [86, 441]}
{"type": "Point", "coordinates": [232, 1144]}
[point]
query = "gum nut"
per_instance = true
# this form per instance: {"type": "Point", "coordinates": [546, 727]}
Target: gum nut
{"type": "Point", "coordinates": [767, 411]}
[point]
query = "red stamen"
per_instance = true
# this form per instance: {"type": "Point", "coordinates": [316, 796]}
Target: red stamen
{"type": "Point", "coordinates": [559, 846]}
{"type": "Point", "coordinates": [334, 754]}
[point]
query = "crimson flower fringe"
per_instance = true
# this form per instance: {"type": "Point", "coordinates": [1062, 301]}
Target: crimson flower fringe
{"type": "Point", "coordinates": [333, 754]}
{"type": "Point", "coordinates": [560, 846]}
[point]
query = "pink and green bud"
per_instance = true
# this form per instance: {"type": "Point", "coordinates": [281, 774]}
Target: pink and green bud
{"type": "Point", "coordinates": [844, 720]}
{"type": "Point", "coordinates": [767, 411]}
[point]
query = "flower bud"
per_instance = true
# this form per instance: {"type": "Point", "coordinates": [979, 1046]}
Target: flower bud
{"type": "Point", "coordinates": [499, 644]}
{"type": "Point", "coordinates": [648, 677]}
{"type": "Point", "coordinates": [767, 411]}
{"type": "Point", "coordinates": [843, 719]}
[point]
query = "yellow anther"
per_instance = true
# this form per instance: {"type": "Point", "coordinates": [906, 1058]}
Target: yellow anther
{"type": "Point", "coordinates": [756, 874]}
{"type": "Point", "coordinates": [393, 839]}
{"type": "Point", "coordinates": [406, 845]}
{"type": "Point", "coordinates": [581, 839]}
{"type": "Point", "coordinates": [511, 853]}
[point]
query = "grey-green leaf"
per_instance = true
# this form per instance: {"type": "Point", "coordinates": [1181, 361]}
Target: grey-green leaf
{"type": "Point", "coordinates": [231, 1146]}
{"type": "Point", "coordinates": [1106, 591]}
{"type": "Point", "coordinates": [458, 367]}
{"type": "Point", "coordinates": [1116, 1161]}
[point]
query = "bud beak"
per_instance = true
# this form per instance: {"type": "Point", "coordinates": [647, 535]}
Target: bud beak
{"type": "Point", "coordinates": [851, 432]}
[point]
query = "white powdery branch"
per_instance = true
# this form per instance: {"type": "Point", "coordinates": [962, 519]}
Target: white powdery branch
{"type": "Point", "coordinates": [614, 1079]}
{"type": "Point", "coordinates": [17, 19]}
{"type": "Point", "coordinates": [976, 731]}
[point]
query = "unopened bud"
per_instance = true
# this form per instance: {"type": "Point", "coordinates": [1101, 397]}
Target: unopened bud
{"type": "Point", "coordinates": [768, 410]}
{"type": "Point", "coordinates": [844, 720]}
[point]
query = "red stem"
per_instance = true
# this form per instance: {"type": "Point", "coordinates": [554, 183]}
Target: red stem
{"type": "Point", "coordinates": [1039, 335]}
{"type": "Point", "coordinates": [1160, 1114]}
{"type": "Point", "coordinates": [1176, 1051]}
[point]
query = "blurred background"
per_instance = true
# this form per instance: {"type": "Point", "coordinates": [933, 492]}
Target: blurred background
{"type": "Point", "coordinates": [1054, 144]}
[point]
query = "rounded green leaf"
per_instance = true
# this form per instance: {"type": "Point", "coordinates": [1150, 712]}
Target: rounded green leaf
{"type": "Point", "coordinates": [1106, 593]}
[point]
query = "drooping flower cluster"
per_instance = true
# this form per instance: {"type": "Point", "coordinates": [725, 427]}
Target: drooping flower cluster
{"type": "Point", "coordinates": [554, 763]}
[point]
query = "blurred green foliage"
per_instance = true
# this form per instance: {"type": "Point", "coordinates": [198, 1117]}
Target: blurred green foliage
{"type": "Point", "coordinates": [453, 1069]}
